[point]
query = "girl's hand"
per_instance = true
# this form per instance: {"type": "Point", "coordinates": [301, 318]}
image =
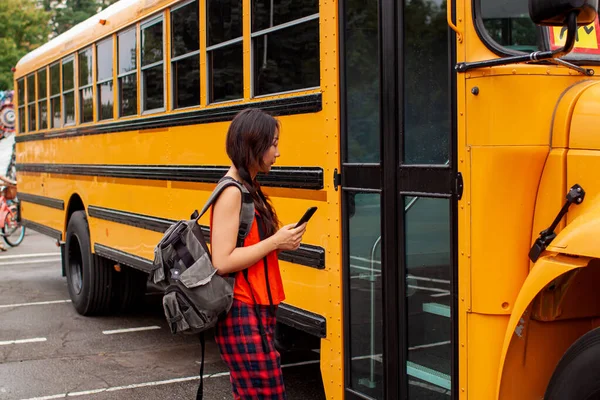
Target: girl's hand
{"type": "Point", "coordinates": [288, 237]}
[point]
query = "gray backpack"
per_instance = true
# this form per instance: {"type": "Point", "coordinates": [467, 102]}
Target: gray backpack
{"type": "Point", "coordinates": [195, 295]}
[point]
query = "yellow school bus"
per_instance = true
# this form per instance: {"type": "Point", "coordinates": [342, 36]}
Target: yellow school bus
{"type": "Point", "coordinates": [451, 147]}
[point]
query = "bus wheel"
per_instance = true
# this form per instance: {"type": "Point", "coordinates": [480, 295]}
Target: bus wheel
{"type": "Point", "coordinates": [88, 279]}
{"type": "Point", "coordinates": [577, 376]}
{"type": "Point", "coordinates": [129, 288]}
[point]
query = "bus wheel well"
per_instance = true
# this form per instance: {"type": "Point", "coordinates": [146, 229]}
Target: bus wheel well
{"type": "Point", "coordinates": [75, 204]}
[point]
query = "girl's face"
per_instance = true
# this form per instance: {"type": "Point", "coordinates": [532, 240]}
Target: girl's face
{"type": "Point", "coordinates": [271, 154]}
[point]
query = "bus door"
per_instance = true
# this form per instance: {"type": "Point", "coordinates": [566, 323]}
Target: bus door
{"type": "Point", "coordinates": [399, 197]}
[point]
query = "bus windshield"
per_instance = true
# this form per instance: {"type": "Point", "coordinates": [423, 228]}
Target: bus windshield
{"type": "Point", "coordinates": [506, 26]}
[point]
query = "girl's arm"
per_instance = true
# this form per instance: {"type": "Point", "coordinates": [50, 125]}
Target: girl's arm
{"type": "Point", "coordinates": [226, 257]}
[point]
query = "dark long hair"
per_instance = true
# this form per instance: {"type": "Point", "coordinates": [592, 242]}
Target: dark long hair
{"type": "Point", "coordinates": [250, 135]}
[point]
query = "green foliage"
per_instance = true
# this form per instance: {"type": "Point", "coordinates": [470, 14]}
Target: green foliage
{"type": "Point", "coordinates": [24, 27]}
{"type": "Point", "coordinates": [66, 14]}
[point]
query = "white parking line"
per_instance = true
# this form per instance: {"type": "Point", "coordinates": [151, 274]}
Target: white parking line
{"type": "Point", "coordinates": [21, 341]}
{"type": "Point", "coordinates": [156, 383]}
{"type": "Point", "coordinates": [29, 261]}
{"type": "Point", "coordinates": [29, 255]}
{"type": "Point", "coordinates": [143, 328]}
{"type": "Point", "coordinates": [39, 303]}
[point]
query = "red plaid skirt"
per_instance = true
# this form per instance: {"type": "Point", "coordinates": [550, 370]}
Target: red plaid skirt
{"type": "Point", "coordinates": [255, 372]}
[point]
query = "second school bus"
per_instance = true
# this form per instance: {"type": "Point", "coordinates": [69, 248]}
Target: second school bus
{"type": "Point", "coordinates": [438, 140]}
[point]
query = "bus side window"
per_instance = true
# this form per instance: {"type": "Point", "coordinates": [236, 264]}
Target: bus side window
{"type": "Point", "coordinates": [68, 87]}
{"type": "Point", "coordinates": [86, 99]}
{"type": "Point", "coordinates": [126, 44]}
{"type": "Point", "coordinates": [224, 52]}
{"type": "Point", "coordinates": [185, 57]}
{"type": "Point", "coordinates": [104, 78]}
{"type": "Point", "coordinates": [42, 83]}
{"type": "Point", "coordinates": [31, 102]}
{"type": "Point", "coordinates": [21, 104]}
{"type": "Point", "coordinates": [55, 96]}
{"type": "Point", "coordinates": [283, 34]}
{"type": "Point", "coordinates": [152, 68]}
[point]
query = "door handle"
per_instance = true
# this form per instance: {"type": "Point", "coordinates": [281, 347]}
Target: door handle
{"type": "Point", "coordinates": [449, 4]}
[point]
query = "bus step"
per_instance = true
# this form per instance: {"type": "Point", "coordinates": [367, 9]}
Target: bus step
{"type": "Point", "coordinates": [437, 309]}
{"type": "Point", "coordinates": [428, 375]}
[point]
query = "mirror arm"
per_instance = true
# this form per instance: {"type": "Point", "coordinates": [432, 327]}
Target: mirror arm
{"type": "Point", "coordinates": [537, 55]}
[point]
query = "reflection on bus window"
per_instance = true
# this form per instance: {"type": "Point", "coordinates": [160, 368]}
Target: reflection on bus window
{"type": "Point", "coordinates": [362, 81]}
{"type": "Point", "coordinates": [509, 25]}
{"type": "Point", "coordinates": [426, 88]}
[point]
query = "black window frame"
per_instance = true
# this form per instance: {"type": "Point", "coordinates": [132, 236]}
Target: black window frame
{"type": "Point", "coordinates": [219, 46]}
{"type": "Point", "coordinates": [182, 57]}
{"type": "Point", "coordinates": [154, 20]}
{"type": "Point", "coordinates": [40, 99]}
{"type": "Point", "coordinates": [258, 34]}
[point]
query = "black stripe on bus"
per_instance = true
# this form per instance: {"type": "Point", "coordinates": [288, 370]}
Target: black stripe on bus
{"type": "Point", "coordinates": [303, 320]}
{"type": "Point", "coordinates": [286, 106]}
{"type": "Point", "coordinates": [307, 255]}
{"type": "Point", "coordinates": [306, 321]}
{"type": "Point", "coordinates": [43, 229]}
{"type": "Point", "coordinates": [42, 200]}
{"type": "Point", "coordinates": [119, 256]}
{"type": "Point", "coordinates": [288, 177]}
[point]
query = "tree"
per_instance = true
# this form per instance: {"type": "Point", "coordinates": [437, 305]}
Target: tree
{"type": "Point", "coordinates": [65, 14]}
{"type": "Point", "coordinates": [24, 27]}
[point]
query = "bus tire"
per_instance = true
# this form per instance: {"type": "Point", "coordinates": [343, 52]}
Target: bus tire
{"type": "Point", "coordinates": [88, 278]}
{"type": "Point", "coordinates": [129, 289]}
{"type": "Point", "coordinates": [577, 375]}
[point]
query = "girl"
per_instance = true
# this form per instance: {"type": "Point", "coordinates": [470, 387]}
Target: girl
{"type": "Point", "coordinates": [246, 336]}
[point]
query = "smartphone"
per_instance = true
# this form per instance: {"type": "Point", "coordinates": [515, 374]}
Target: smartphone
{"type": "Point", "coordinates": [307, 215]}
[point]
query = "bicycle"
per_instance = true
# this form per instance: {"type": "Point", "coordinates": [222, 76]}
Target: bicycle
{"type": "Point", "coordinates": [10, 216]}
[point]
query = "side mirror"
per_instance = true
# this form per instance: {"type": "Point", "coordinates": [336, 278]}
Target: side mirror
{"type": "Point", "coordinates": [556, 12]}
{"type": "Point", "coordinates": [568, 13]}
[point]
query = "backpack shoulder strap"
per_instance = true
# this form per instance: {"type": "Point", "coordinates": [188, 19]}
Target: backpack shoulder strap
{"type": "Point", "coordinates": [246, 212]}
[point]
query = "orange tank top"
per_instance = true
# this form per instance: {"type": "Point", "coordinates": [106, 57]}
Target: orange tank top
{"type": "Point", "coordinates": [256, 274]}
